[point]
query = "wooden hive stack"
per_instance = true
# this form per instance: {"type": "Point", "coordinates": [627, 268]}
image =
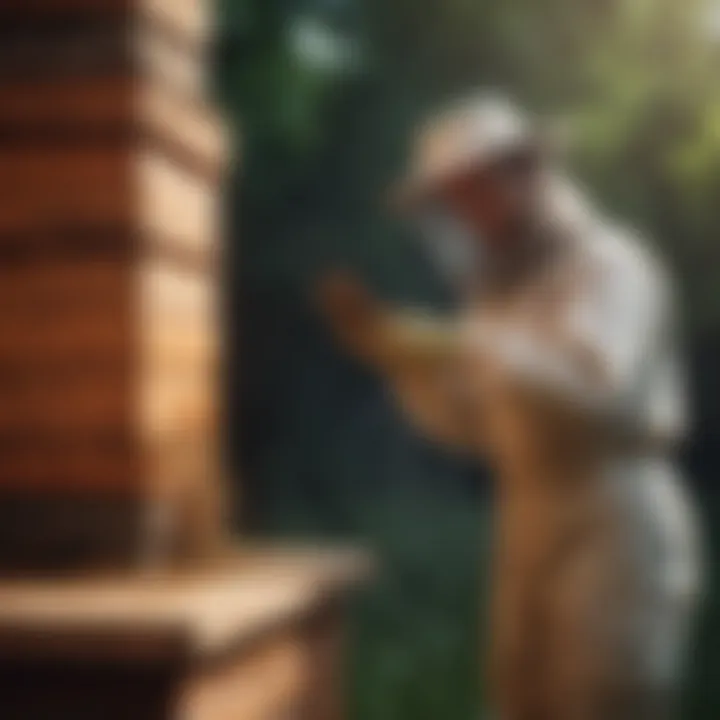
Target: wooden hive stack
{"type": "Point", "coordinates": [110, 160]}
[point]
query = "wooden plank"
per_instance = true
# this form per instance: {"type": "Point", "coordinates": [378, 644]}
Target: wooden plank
{"type": "Point", "coordinates": [63, 317]}
{"type": "Point", "coordinates": [68, 469]}
{"type": "Point", "coordinates": [46, 190]}
{"type": "Point", "coordinates": [179, 350]}
{"type": "Point", "coordinates": [78, 334]}
{"type": "Point", "coordinates": [109, 109]}
{"type": "Point", "coordinates": [87, 102]}
{"type": "Point", "coordinates": [160, 296]}
{"type": "Point", "coordinates": [178, 396]}
{"type": "Point", "coordinates": [59, 403]}
{"type": "Point", "coordinates": [175, 403]}
{"type": "Point", "coordinates": [47, 283]}
{"type": "Point", "coordinates": [45, 340]}
{"type": "Point", "coordinates": [43, 189]}
{"type": "Point", "coordinates": [142, 641]}
{"type": "Point", "coordinates": [212, 611]}
{"type": "Point", "coordinates": [184, 128]}
{"type": "Point", "coordinates": [154, 56]}
{"type": "Point", "coordinates": [168, 294]}
{"type": "Point", "coordinates": [155, 404]}
{"type": "Point", "coordinates": [90, 48]}
{"type": "Point", "coordinates": [175, 204]}
{"type": "Point", "coordinates": [57, 48]}
{"type": "Point", "coordinates": [191, 20]}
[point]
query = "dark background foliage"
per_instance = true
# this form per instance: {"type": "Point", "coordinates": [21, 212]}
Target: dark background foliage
{"type": "Point", "coordinates": [323, 95]}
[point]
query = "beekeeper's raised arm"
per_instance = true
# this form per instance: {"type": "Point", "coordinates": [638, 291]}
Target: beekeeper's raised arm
{"type": "Point", "coordinates": [422, 358]}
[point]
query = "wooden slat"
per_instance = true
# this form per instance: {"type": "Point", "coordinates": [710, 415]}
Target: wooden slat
{"type": "Point", "coordinates": [184, 128]}
{"type": "Point", "coordinates": [68, 469]}
{"type": "Point", "coordinates": [154, 56]}
{"type": "Point", "coordinates": [44, 190]}
{"type": "Point", "coordinates": [99, 110]}
{"type": "Point", "coordinates": [178, 391]}
{"type": "Point", "coordinates": [35, 331]}
{"type": "Point", "coordinates": [179, 351]}
{"type": "Point", "coordinates": [168, 396]}
{"type": "Point", "coordinates": [76, 103]}
{"type": "Point", "coordinates": [211, 611]}
{"type": "Point", "coordinates": [57, 403]}
{"type": "Point", "coordinates": [80, 340]}
{"type": "Point", "coordinates": [88, 48]}
{"type": "Point", "coordinates": [42, 281]}
{"type": "Point", "coordinates": [56, 310]}
{"type": "Point", "coordinates": [75, 336]}
{"type": "Point", "coordinates": [56, 316]}
{"type": "Point", "coordinates": [174, 204]}
{"type": "Point", "coordinates": [55, 49]}
{"type": "Point", "coordinates": [168, 294]}
{"type": "Point", "coordinates": [191, 20]}
{"type": "Point", "coordinates": [169, 404]}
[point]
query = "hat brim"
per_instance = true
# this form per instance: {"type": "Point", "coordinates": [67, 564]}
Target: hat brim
{"type": "Point", "coordinates": [413, 190]}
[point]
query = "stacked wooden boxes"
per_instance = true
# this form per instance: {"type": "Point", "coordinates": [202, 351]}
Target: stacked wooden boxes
{"type": "Point", "coordinates": [110, 162]}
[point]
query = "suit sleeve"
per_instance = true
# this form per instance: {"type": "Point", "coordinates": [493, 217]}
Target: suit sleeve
{"type": "Point", "coordinates": [608, 331]}
{"type": "Point", "coordinates": [437, 406]}
{"type": "Point", "coordinates": [425, 362]}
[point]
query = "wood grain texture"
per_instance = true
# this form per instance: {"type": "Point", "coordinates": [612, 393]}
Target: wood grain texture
{"type": "Point", "coordinates": [113, 109]}
{"type": "Point", "coordinates": [109, 226]}
{"type": "Point", "coordinates": [251, 638]}
{"type": "Point", "coordinates": [109, 380]}
{"type": "Point", "coordinates": [209, 612]}
{"type": "Point", "coordinates": [85, 46]}
{"type": "Point", "coordinates": [46, 189]}
{"type": "Point", "coordinates": [191, 20]}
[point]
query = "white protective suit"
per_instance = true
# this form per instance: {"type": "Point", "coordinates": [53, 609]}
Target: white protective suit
{"type": "Point", "coordinates": [633, 619]}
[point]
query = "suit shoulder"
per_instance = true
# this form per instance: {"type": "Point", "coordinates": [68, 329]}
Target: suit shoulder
{"type": "Point", "coordinates": [623, 255]}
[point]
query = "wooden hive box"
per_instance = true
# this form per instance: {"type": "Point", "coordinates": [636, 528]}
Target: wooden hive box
{"type": "Point", "coordinates": [109, 235]}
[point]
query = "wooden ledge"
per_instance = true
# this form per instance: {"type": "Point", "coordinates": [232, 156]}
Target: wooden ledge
{"type": "Point", "coordinates": [181, 616]}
